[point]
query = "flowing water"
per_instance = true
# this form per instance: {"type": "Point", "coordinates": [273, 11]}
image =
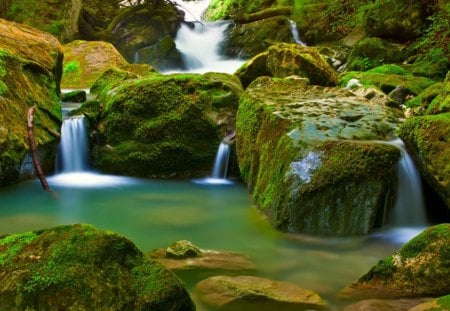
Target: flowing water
{"type": "Point", "coordinates": [295, 34]}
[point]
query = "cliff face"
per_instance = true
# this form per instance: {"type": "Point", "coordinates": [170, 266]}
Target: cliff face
{"type": "Point", "coordinates": [30, 73]}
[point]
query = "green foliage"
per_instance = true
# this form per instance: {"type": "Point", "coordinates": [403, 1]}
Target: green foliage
{"type": "Point", "coordinates": [71, 67]}
{"type": "Point", "coordinates": [444, 303]}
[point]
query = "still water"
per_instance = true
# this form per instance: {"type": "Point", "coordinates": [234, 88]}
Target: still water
{"type": "Point", "coordinates": [155, 213]}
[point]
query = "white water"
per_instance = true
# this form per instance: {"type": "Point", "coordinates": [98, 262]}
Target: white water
{"type": "Point", "coordinates": [73, 149]}
{"type": "Point", "coordinates": [200, 47]}
{"type": "Point", "coordinates": [295, 34]}
{"type": "Point", "coordinates": [193, 9]}
{"type": "Point", "coordinates": [220, 167]}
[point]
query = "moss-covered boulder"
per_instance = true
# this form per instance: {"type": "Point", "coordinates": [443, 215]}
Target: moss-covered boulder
{"type": "Point", "coordinates": [165, 125]}
{"type": "Point", "coordinates": [67, 20]}
{"type": "Point", "coordinates": [372, 52]}
{"type": "Point", "coordinates": [247, 39]}
{"type": "Point", "coordinates": [84, 61]}
{"type": "Point", "coordinates": [439, 304]}
{"type": "Point", "coordinates": [30, 73]}
{"type": "Point", "coordinates": [428, 140]}
{"type": "Point", "coordinates": [420, 268]}
{"type": "Point", "coordinates": [240, 9]}
{"type": "Point", "coordinates": [283, 60]}
{"type": "Point", "coordinates": [76, 96]}
{"type": "Point", "coordinates": [163, 55]}
{"type": "Point", "coordinates": [78, 267]}
{"type": "Point", "coordinates": [255, 293]}
{"type": "Point", "coordinates": [387, 78]}
{"type": "Point", "coordinates": [144, 25]}
{"type": "Point", "coordinates": [298, 152]}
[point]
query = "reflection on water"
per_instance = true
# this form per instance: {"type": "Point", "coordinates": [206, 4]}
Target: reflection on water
{"type": "Point", "coordinates": [154, 214]}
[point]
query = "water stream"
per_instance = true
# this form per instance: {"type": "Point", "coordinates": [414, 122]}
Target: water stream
{"type": "Point", "coordinates": [295, 34]}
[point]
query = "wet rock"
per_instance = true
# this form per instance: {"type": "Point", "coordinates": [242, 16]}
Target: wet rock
{"type": "Point", "coordinates": [439, 304]}
{"type": "Point", "coordinates": [80, 267]}
{"type": "Point", "coordinates": [30, 74]}
{"type": "Point", "coordinates": [419, 269]}
{"type": "Point", "coordinates": [283, 60]}
{"type": "Point", "coordinates": [183, 255]}
{"type": "Point", "coordinates": [304, 153]}
{"type": "Point", "coordinates": [384, 305]}
{"type": "Point", "coordinates": [254, 293]}
{"type": "Point", "coordinates": [77, 96]}
{"type": "Point", "coordinates": [163, 55]}
{"type": "Point", "coordinates": [428, 140]}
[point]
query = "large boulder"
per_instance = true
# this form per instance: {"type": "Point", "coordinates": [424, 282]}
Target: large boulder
{"type": "Point", "coordinates": [67, 20]}
{"type": "Point", "coordinates": [254, 293]}
{"type": "Point", "coordinates": [85, 61]}
{"type": "Point", "coordinates": [428, 140]}
{"type": "Point", "coordinates": [78, 267]}
{"type": "Point", "coordinates": [164, 125]}
{"type": "Point", "coordinates": [304, 153]}
{"type": "Point", "coordinates": [144, 25]}
{"type": "Point", "coordinates": [30, 73]}
{"type": "Point", "coordinates": [421, 268]}
{"type": "Point", "coordinates": [162, 55]}
{"type": "Point", "coordinates": [283, 60]}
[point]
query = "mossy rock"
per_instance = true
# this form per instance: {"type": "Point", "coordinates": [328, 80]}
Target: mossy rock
{"type": "Point", "coordinates": [76, 96]}
{"type": "Point", "coordinates": [428, 140]}
{"type": "Point", "coordinates": [30, 73]}
{"type": "Point", "coordinates": [163, 55]}
{"type": "Point", "coordinates": [81, 267]}
{"type": "Point", "coordinates": [239, 9]}
{"type": "Point", "coordinates": [438, 304]}
{"type": "Point", "coordinates": [420, 268]}
{"type": "Point", "coordinates": [373, 52]}
{"type": "Point", "coordinates": [298, 152]}
{"type": "Point", "coordinates": [387, 82]}
{"type": "Point", "coordinates": [283, 60]}
{"type": "Point", "coordinates": [143, 25]}
{"type": "Point", "coordinates": [165, 125]}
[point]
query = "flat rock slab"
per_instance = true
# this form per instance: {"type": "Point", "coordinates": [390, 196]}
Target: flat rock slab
{"type": "Point", "coordinates": [255, 293]}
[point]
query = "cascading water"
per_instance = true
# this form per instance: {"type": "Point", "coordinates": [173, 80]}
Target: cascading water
{"type": "Point", "coordinates": [220, 167]}
{"type": "Point", "coordinates": [73, 149]}
{"type": "Point", "coordinates": [295, 35]}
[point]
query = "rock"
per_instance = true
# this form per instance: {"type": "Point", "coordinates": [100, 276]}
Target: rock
{"type": "Point", "coordinates": [30, 73]}
{"type": "Point", "coordinates": [193, 258]}
{"type": "Point", "coordinates": [165, 125]}
{"type": "Point", "coordinates": [384, 305]}
{"type": "Point", "coordinates": [419, 269]}
{"type": "Point", "coordinates": [402, 20]}
{"type": "Point", "coordinates": [399, 95]}
{"type": "Point", "coordinates": [427, 138]}
{"type": "Point", "coordinates": [283, 60]}
{"type": "Point", "coordinates": [144, 25]}
{"type": "Point", "coordinates": [163, 55]}
{"type": "Point", "coordinates": [248, 39]}
{"type": "Point", "coordinates": [67, 20]}
{"type": "Point", "coordinates": [80, 267]}
{"type": "Point", "coordinates": [439, 304]}
{"type": "Point", "coordinates": [222, 10]}
{"type": "Point", "coordinates": [77, 96]}
{"type": "Point", "coordinates": [441, 103]}
{"type": "Point", "coordinates": [298, 151]}
{"type": "Point", "coordinates": [372, 52]}
{"type": "Point", "coordinates": [254, 293]}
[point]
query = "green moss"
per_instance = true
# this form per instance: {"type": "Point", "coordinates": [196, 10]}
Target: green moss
{"type": "Point", "coordinates": [11, 245]}
{"type": "Point", "coordinates": [444, 303]}
{"type": "Point", "coordinates": [383, 269]}
{"type": "Point", "coordinates": [71, 67]}
{"type": "Point", "coordinates": [389, 69]}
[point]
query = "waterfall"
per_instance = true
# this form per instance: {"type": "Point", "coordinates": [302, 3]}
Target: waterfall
{"type": "Point", "coordinates": [220, 167]}
{"type": "Point", "coordinates": [73, 148]}
{"type": "Point", "coordinates": [409, 209]}
{"type": "Point", "coordinates": [295, 34]}
{"type": "Point", "coordinates": [200, 48]}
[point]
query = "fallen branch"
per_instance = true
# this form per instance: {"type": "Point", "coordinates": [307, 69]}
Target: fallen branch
{"type": "Point", "coordinates": [34, 154]}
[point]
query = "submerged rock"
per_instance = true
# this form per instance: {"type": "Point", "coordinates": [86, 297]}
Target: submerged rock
{"type": "Point", "coordinates": [304, 153]}
{"type": "Point", "coordinates": [30, 73]}
{"type": "Point", "coordinates": [183, 255]}
{"type": "Point", "coordinates": [283, 60]}
{"type": "Point", "coordinates": [254, 293]}
{"type": "Point", "coordinates": [428, 140]}
{"type": "Point", "coordinates": [164, 125]}
{"type": "Point", "coordinates": [80, 267]}
{"type": "Point", "coordinates": [420, 268]}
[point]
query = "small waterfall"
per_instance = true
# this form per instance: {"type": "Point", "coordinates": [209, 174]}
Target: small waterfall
{"type": "Point", "coordinates": [409, 209]}
{"type": "Point", "coordinates": [73, 148]}
{"type": "Point", "coordinates": [220, 167]}
{"type": "Point", "coordinates": [295, 34]}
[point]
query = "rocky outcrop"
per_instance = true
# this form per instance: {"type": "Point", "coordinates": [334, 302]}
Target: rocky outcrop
{"type": "Point", "coordinates": [254, 293]}
{"type": "Point", "coordinates": [419, 269]}
{"type": "Point", "coordinates": [80, 267]}
{"type": "Point", "coordinates": [30, 73]}
{"type": "Point", "coordinates": [428, 140]}
{"type": "Point", "coordinates": [304, 153]}
{"type": "Point", "coordinates": [283, 60]}
{"type": "Point", "coordinates": [84, 62]}
{"type": "Point", "coordinates": [164, 125]}
{"type": "Point", "coordinates": [183, 255]}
